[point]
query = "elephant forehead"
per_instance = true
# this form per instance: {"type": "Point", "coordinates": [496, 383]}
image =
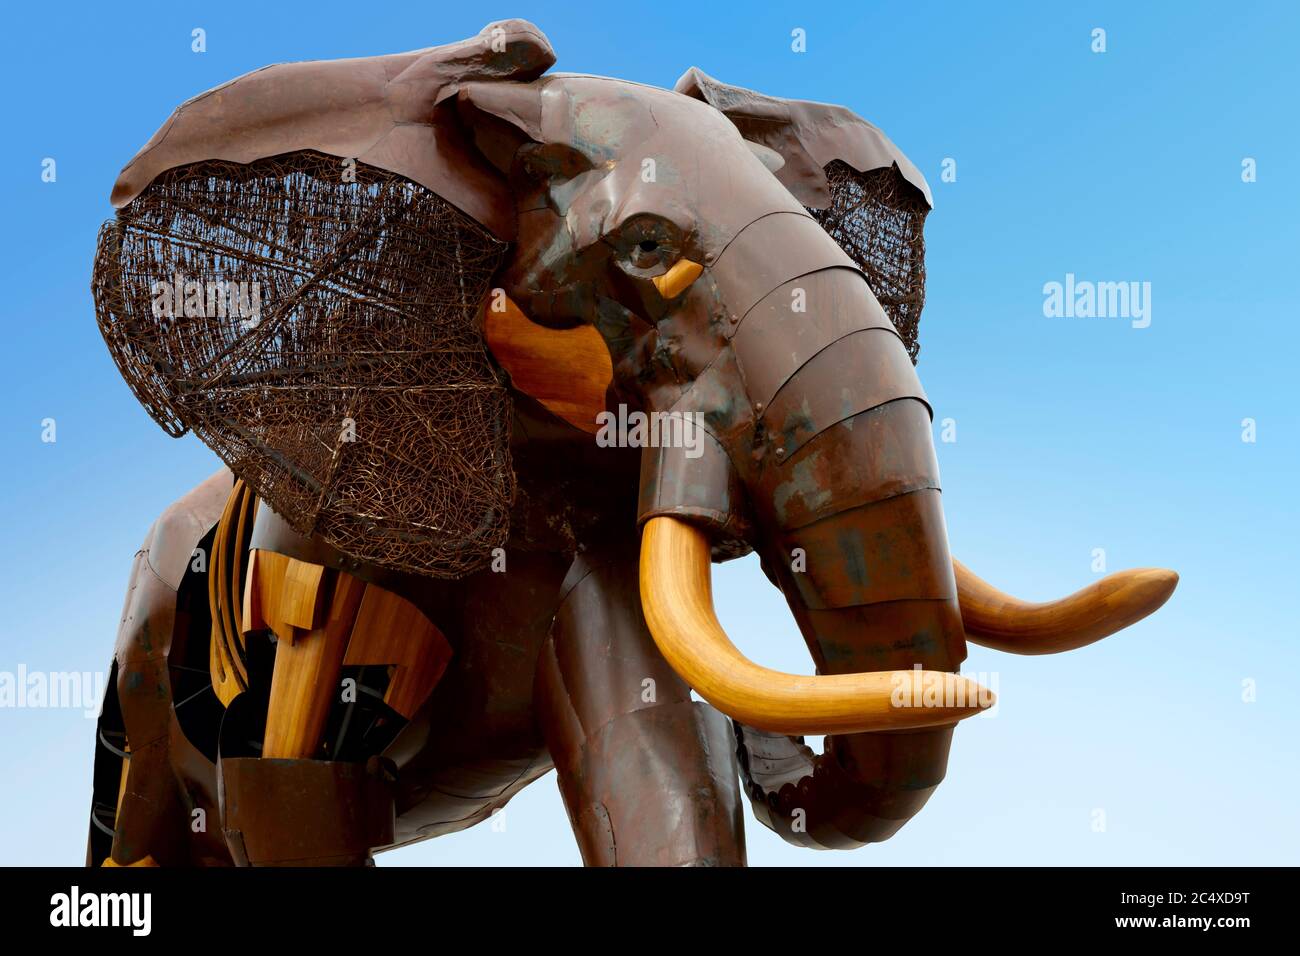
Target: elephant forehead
{"type": "Point", "coordinates": [664, 153]}
{"type": "Point", "coordinates": [607, 118]}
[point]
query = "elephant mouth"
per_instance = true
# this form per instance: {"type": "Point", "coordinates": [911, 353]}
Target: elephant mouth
{"type": "Point", "coordinates": [676, 597]}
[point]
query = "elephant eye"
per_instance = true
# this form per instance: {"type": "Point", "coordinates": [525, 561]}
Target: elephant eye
{"type": "Point", "coordinates": [646, 254]}
{"type": "Point", "coordinates": [648, 245]}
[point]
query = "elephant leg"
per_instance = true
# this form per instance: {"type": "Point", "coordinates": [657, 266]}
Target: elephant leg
{"type": "Point", "coordinates": [151, 783]}
{"type": "Point", "coordinates": [649, 777]}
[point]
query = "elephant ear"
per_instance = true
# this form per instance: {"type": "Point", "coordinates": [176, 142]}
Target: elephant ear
{"type": "Point", "coordinates": [854, 181]}
{"type": "Point", "coordinates": [296, 274]}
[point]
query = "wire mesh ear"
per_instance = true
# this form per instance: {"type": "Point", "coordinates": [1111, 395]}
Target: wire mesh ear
{"type": "Point", "coordinates": [296, 274]}
{"type": "Point", "coordinates": [865, 193]}
{"type": "Point", "coordinates": [316, 324]}
{"type": "Point", "coordinates": [878, 219]}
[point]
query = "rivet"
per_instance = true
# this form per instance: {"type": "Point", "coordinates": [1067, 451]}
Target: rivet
{"type": "Point", "coordinates": [780, 453]}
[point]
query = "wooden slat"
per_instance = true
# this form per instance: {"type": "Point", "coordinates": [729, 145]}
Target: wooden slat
{"type": "Point", "coordinates": [225, 584]}
{"type": "Point", "coordinates": [302, 602]}
{"type": "Point", "coordinates": [243, 529]}
{"type": "Point", "coordinates": [305, 683]}
{"type": "Point", "coordinates": [252, 619]}
{"type": "Point", "coordinates": [391, 630]}
{"type": "Point", "coordinates": [263, 592]}
{"type": "Point", "coordinates": [228, 672]}
{"type": "Point", "coordinates": [225, 686]}
{"type": "Point", "coordinates": [121, 784]}
{"type": "Point", "coordinates": [220, 667]}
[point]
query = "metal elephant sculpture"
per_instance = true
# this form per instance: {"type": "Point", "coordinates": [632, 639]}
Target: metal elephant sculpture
{"type": "Point", "coordinates": [499, 362]}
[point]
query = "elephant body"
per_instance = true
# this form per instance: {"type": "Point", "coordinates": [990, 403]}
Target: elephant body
{"type": "Point", "coordinates": [549, 666]}
{"type": "Point", "coordinates": [448, 564]}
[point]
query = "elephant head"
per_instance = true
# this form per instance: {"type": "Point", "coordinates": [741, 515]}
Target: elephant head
{"type": "Point", "coordinates": [750, 267]}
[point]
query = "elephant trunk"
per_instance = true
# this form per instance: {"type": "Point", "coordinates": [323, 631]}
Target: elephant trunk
{"type": "Point", "coordinates": [827, 466]}
{"type": "Point", "coordinates": [855, 538]}
{"type": "Point", "coordinates": [873, 592]}
{"type": "Point", "coordinates": [861, 790]}
{"type": "Point", "coordinates": [845, 501]}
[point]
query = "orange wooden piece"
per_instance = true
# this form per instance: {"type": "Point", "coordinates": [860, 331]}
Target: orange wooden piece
{"type": "Point", "coordinates": [391, 630]}
{"type": "Point", "coordinates": [262, 594]}
{"type": "Point", "coordinates": [302, 597]}
{"type": "Point", "coordinates": [567, 370]}
{"type": "Point", "coordinates": [352, 623]}
{"type": "Point", "coordinates": [229, 674]}
{"type": "Point", "coordinates": [306, 679]}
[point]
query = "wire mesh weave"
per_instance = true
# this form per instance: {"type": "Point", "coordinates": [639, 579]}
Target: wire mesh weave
{"type": "Point", "coordinates": [315, 322]}
{"type": "Point", "coordinates": [878, 217]}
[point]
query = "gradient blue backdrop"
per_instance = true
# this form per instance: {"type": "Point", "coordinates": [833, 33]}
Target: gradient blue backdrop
{"type": "Point", "coordinates": [1072, 434]}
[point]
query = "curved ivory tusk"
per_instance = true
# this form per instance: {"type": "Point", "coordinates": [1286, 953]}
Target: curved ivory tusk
{"type": "Point", "coordinates": [1006, 623]}
{"type": "Point", "coordinates": [676, 595]}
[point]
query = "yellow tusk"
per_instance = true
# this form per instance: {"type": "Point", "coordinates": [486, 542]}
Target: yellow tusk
{"type": "Point", "coordinates": [676, 596]}
{"type": "Point", "coordinates": [1005, 623]}
{"type": "Point", "coordinates": [677, 279]}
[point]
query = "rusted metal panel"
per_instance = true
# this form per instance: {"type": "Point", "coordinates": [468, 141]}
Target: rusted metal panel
{"type": "Point", "coordinates": [771, 250]}
{"type": "Point", "coordinates": [648, 775]}
{"type": "Point", "coordinates": [884, 551]}
{"type": "Point", "coordinates": [885, 636]}
{"type": "Point", "coordinates": [798, 319]}
{"type": "Point", "coordinates": [807, 135]}
{"type": "Point", "coordinates": [171, 541]}
{"type": "Point", "coordinates": [863, 371]}
{"type": "Point", "coordinates": [376, 110]}
{"type": "Point", "coordinates": [705, 489]}
{"type": "Point", "coordinates": [877, 454]}
{"type": "Point", "coordinates": [304, 812]}
{"type": "Point", "coordinates": [168, 776]}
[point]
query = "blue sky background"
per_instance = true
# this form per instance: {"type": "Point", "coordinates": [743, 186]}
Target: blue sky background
{"type": "Point", "coordinates": [1072, 434]}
